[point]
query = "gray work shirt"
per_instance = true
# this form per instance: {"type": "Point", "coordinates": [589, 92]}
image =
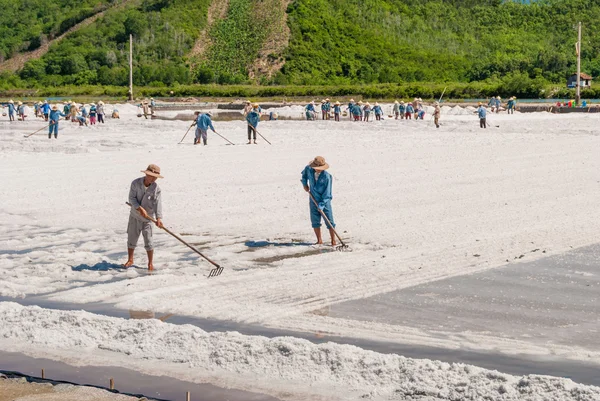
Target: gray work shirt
{"type": "Point", "coordinates": [148, 198]}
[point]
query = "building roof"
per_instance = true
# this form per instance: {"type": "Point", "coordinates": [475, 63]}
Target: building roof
{"type": "Point", "coordinates": [583, 76]}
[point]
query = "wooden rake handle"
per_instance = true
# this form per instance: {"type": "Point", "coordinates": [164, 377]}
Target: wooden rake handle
{"type": "Point", "coordinates": [183, 242]}
{"type": "Point", "coordinates": [326, 219]}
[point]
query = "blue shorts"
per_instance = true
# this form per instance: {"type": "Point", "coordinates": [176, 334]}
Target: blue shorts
{"type": "Point", "coordinates": [315, 216]}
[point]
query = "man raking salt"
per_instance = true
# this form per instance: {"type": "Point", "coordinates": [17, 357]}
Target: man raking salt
{"type": "Point", "coordinates": [145, 200]}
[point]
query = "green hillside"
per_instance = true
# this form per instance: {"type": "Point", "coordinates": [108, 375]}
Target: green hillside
{"type": "Point", "coordinates": [332, 41]}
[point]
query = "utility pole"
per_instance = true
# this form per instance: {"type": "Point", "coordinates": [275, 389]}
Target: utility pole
{"type": "Point", "coordinates": [578, 95]}
{"type": "Point", "coordinates": [130, 67]}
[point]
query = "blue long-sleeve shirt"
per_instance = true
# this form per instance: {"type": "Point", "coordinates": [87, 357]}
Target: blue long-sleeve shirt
{"type": "Point", "coordinates": [55, 116]}
{"type": "Point", "coordinates": [203, 121]}
{"type": "Point", "coordinates": [45, 108]}
{"type": "Point", "coordinates": [377, 110]}
{"type": "Point", "coordinates": [11, 108]}
{"type": "Point", "coordinates": [320, 188]}
{"type": "Point", "coordinates": [481, 111]}
{"type": "Point", "coordinates": [310, 107]}
{"type": "Point", "coordinates": [410, 109]}
{"type": "Point", "coordinates": [253, 118]}
{"type": "Point", "coordinates": [337, 109]}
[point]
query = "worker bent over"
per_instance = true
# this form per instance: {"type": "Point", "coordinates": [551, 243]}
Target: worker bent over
{"type": "Point", "coordinates": [317, 182]}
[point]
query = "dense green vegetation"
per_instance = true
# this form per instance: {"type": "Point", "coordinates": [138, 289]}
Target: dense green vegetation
{"type": "Point", "coordinates": [509, 47]}
{"type": "Point", "coordinates": [164, 32]}
{"type": "Point", "coordinates": [26, 24]}
{"type": "Point", "coordinates": [370, 41]}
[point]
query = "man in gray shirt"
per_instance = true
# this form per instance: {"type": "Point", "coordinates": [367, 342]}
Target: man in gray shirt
{"type": "Point", "coordinates": [145, 200]}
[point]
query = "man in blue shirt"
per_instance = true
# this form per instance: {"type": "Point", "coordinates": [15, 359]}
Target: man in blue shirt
{"type": "Point", "coordinates": [203, 123]}
{"type": "Point", "coordinates": [45, 110]}
{"type": "Point", "coordinates": [54, 116]}
{"type": "Point", "coordinates": [481, 112]}
{"type": "Point", "coordinates": [252, 119]}
{"type": "Point", "coordinates": [317, 182]}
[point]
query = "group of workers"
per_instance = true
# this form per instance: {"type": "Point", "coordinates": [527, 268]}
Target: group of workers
{"type": "Point", "coordinates": [71, 111]}
{"type": "Point", "coordinates": [496, 104]}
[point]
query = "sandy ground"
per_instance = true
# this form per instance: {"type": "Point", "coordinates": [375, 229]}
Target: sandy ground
{"type": "Point", "coordinates": [21, 390]}
{"type": "Point", "coordinates": [416, 204]}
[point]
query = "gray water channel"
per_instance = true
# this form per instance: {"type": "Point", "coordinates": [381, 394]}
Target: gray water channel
{"type": "Point", "coordinates": [554, 299]}
{"type": "Point", "coordinates": [126, 381]}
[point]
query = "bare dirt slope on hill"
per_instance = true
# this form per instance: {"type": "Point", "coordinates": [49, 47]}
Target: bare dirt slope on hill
{"type": "Point", "coordinates": [16, 63]}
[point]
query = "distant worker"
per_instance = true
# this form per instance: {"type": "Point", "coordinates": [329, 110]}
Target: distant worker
{"type": "Point", "coordinates": [54, 116]}
{"type": "Point", "coordinates": [203, 123]}
{"type": "Point", "coordinates": [436, 114]}
{"type": "Point", "coordinates": [337, 110]}
{"type": "Point", "coordinates": [481, 112]}
{"type": "Point", "coordinates": [100, 111]}
{"type": "Point", "coordinates": [253, 118]}
{"type": "Point", "coordinates": [378, 111]}
{"type": "Point", "coordinates": [396, 109]}
{"type": "Point", "coordinates": [310, 112]}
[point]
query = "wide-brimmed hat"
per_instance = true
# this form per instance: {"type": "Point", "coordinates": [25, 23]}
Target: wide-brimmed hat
{"type": "Point", "coordinates": [498, 97]}
{"type": "Point", "coordinates": [197, 112]}
{"type": "Point", "coordinates": [360, 102]}
{"type": "Point", "coordinates": [401, 101]}
{"type": "Point", "coordinates": [145, 102]}
{"type": "Point", "coordinates": [319, 163]}
{"type": "Point", "coordinates": [337, 103]}
{"type": "Point", "coordinates": [376, 104]}
{"type": "Point", "coordinates": [395, 102]}
{"type": "Point", "coordinates": [327, 99]}
{"type": "Point", "coordinates": [45, 101]}
{"type": "Point", "coordinates": [55, 107]}
{"type": "Point", "coordinates": [480, 103]}
{"type": "Point", "coordinates": [420, 100]}
{"type": "Point", "coordinates": [367, 104]}
{"type": "Point", "coordinates": [101, 103]}
{"type": "Point", "coordinates": [352, 100]}
{"type": "Point", "coordinates": [248, 102]}
{"type": "Point", "coordinates": [11, 101]}
{"type": "Point", "coordinates": [92, 104]}
{"type": "Point", "coordinates": [153, 170]}
{"type": "Point", "coordinates": [255, 105]}
{"type": "Point", "coordinates": [209, 113]}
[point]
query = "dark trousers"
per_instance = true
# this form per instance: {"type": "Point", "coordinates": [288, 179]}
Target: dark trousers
{"type": "Point", "coordinates": [101, 118]}
{"type": "Point", "coordinates": [482, 123]}
{"type": "Point", "coordinates": [337, 116]}
{"type": "Point", "coordinates": [251, 130]}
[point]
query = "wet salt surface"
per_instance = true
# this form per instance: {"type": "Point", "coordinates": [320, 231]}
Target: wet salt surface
{"type": "Point", "coordinates": [126, 381]}
{"type": "Point", "coordinates": [496, 300]}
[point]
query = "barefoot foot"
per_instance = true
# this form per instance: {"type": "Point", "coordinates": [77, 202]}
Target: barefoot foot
{"type": "Point", "coordinates": [150, 267]}
{"type": "Point", "coordinates": [129, 263]}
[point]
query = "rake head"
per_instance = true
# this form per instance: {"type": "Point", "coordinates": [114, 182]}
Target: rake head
{"type": "Point", "coordinates": [343, 248]}
{"type": "Point", "coordinates": [216, 271]}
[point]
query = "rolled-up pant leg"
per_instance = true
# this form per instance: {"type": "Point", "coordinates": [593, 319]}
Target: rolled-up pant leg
{"type": "Point", "coordinates": [251, 130]}
{"type": "Point", "coordinates": [315, 216]}
{"type": "Point", "coordinates": [136, 227]}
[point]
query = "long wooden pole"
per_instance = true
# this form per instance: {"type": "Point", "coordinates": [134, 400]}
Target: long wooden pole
{"type": "Point", "coordinates": [130, 67]}
{"type": "Point", "coordinates": [578, 96]}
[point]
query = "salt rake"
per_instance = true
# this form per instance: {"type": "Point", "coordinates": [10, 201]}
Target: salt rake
{"type": "Point", "coordinates": [35, 132]}
{"type": "Point", "coordinates": [341, 248]}
{"type": "Point", "coordinates": [214, 272]}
